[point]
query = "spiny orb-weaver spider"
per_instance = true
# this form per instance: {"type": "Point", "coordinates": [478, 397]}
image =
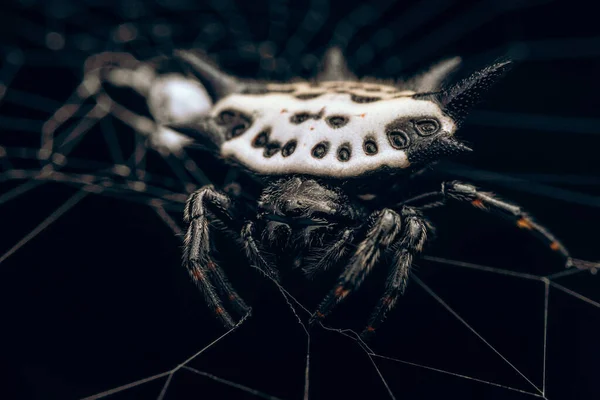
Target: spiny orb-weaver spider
{"type": "Point", "coordinates": [333, 157]}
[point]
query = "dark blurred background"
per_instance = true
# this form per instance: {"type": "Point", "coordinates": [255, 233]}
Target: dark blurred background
{"type": "Point", "coordinates": [99, 298]}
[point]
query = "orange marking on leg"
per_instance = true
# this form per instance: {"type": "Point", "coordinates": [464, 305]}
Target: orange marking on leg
{"type": "Point", "coordinates": [362, 115]}
{"type": "Point", "coordinates": [232, 297]}
{"type": "Point", "coordinates": [340, 292]}
{"type": "Point", "coordinates": [524, 223]}
{"type": "Point", "coordinates": [284, 110]}
{"type": "Point", "coordinates": [211, 265]}
{"type": "Point", "coordinates": [387, 300]}
{"type": "Point", "coordinates": [370, 329]}
{"type": "Point", "coordinates": [478, 203]}
{"type": "Point", "coordinates": [555, 245]}
{"type": "Point", "coordinates": [197, 274]}
{"type": "Point", "coordinates": [312, 128]}
{"type": "Point", "coordinates": [320, 314]}
{"type": "Point", "coordinates": [219, 310]}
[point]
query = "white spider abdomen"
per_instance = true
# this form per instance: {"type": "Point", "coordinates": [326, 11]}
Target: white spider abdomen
{"type": "Point", "coordinates": [175, 98]}
{"type": "Point", "coordinates": [322, 131]}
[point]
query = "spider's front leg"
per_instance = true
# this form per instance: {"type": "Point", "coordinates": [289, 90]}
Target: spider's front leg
{"type": "Point", "coordinates": [465, 192]}
{"type": "Point", "coordinates": [321, 261]}
{"type": "Point", "coordinates": [386, 232]}
{"type": "Point", "coordinates": [254, 253]}
{"type": "Point", "coordinates": [203, 270]}
{"type": "Point", "coordinates": [411, 242]}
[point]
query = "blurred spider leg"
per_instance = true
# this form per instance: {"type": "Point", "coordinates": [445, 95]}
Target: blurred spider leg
{"type": "Point", "coordinates": [411, 242]}
{"type": "Point", "coordinates": [178, 160]}
{"type": "Point", "coordinates": [487, 201]}
{"type": "Point", "coordinates": [143, 125]}
{"type": "Point", "coordinates": [62, 115]}
{"type": "Point", "coordinates": [116, 68]}
{"type": "Point", "coordinates": [385, 226]}
{"type": "Point", "coordinates": [193, 168]}
{"type": "Point", "coordinates": [254, 253]}
{"type": "Point", "coordinates": [69, 139]}
{"type": "Point", "coordinates": [196, 257]}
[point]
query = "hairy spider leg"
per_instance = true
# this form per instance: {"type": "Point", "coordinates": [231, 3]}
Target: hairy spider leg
{"type": "Point", "coordinates": [411, 243]}
{"type": "Point", "coordinates": [385, 227]}
{"type": "Point", "coordinates": [321, 261]}
{"type": "Point", "coordinates": [486, 201]}
{"type": "Point", "coordinates": [254, 253]}
{"type": "Point", "coordinates": [196, 256]}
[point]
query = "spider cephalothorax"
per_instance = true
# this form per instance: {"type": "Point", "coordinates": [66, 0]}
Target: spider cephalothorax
{"type": "Point", "coordinates": [329, 156]}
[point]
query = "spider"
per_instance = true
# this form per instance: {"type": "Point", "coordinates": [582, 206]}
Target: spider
{"type": "Point", "coordinates": [169, 93]}
{"type": "Point", "coordinates": [334, 159]}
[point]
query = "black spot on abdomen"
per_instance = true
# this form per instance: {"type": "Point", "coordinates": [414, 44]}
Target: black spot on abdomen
{"type": "Point", "coordinates": [271, 149]}
{"type": "Point", "coordinates": [337, 121]}
{"type": "Point", "coordinates": [301, 117]}
{"type": "Point", "coordinates": [398, 139]}
{"type": "Point", "coordinates": [234, 121]}
{"type": "Point", "coordinates": [370, 146]}
{"type": "Point", "coordinates": [344, 152]}
{"type": "Point", "coordinates": [320, 150]}
{"type": "Point", "coordinates": [262, 138]}
{"type": "Point", "coordinates": [289, 148]}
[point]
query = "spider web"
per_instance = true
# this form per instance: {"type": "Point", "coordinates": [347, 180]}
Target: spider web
{"type": "Point", "coordinates": [510, 325]}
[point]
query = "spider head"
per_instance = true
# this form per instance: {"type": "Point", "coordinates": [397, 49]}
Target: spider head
{"type": "Point", "coordinates": [303, 210]}
{"type": "Point", "coordinates": [299, 197]}
{"type": "Point", "coordinates": [303, 207]}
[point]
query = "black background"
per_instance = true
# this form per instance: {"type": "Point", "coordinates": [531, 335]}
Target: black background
{"type": "Point", "coordinates": [99, 299]}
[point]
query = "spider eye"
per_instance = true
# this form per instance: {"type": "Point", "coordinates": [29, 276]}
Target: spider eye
{"type": "Point", "coordinates": [398, 139]}
{"type": "Point", "coordinates": [427, 127]}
